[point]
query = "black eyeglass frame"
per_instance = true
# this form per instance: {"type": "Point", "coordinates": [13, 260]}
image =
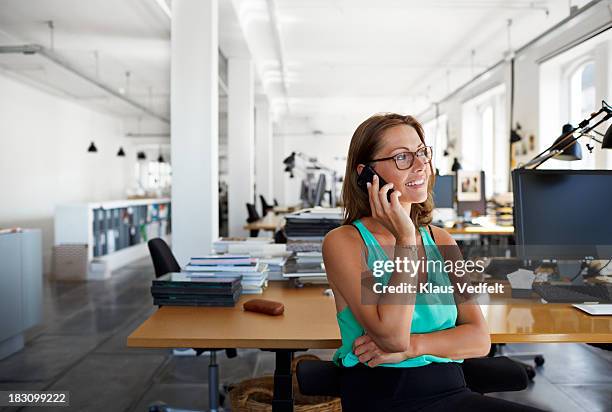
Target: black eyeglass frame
{"type": "Point", "coordinates": [428, 149]}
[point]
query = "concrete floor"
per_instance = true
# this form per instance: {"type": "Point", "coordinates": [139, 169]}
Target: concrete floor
{"type": "Point", "coordinates": [81, 347]}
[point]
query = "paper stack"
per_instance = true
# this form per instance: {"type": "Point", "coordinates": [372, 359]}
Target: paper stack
{"type": "Point", "coordinates": [521, 282]}
{"type": "Point", "coordinates": [306, 229]}
{"type": "Point", "coordinates": [253, 272]}
{"type": "Point", "coordinates": [224, 244]}
{"type": "Point", "coordinates": [307, 267]}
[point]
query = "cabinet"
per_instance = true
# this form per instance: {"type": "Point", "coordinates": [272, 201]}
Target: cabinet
{"type": "Point", "coordinates": [20, 287]}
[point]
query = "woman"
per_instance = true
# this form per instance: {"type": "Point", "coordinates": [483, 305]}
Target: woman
{"type": "Point", "coordinates": [399, 351]}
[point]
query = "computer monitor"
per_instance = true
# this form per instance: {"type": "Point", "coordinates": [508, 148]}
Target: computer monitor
{"type": "Point", "coordinates": [563, 214]}
{"type": "Point", "coordinates": [444, 191]}
{"type": "Point", "coordinates": [320, 190]}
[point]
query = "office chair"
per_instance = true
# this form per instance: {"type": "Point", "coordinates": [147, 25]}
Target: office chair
{"type": "Point", "coordinates": [253, 216]}
{"type": "Point", "coordinates": [265, 207]}
{"type": "Point", "coordinates": [162, 257]}
{"type": "Point", "coordinates": [275, 202]}
{"type": "Point", "coordinates": [482, 375]}
{"type": "Point", "coordinates": [538, 358]}
{"type": "Point", "coordinates": [165, 262]}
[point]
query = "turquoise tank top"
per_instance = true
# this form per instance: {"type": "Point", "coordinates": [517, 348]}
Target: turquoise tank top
{"type": "Point", "coordinates": [432, 312]}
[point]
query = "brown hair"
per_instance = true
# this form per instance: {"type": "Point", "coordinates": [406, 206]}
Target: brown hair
{"type": "Point", "coordinates": [366, 141]}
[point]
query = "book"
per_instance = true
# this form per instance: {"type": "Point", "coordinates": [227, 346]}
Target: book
{"type": "Point", "coordinates": [177, 290]}
{"type": "Point", "coordinates": [305, 275]}
{"type": "Point", "coordinates": [198, 298]}
{"type": "Point", "coordinates": [164, 302]}
{"type": "Point", "coordinates": [222, 244]}
{"type": "Point", "coordinates": [257, 267]}
{"type": "Point", "coordinates": [181, 279]}
{"type": "Point", "coordinates": [223, 260]}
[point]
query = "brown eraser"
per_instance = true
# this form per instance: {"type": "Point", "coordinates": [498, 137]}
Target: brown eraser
{"type": "Point", "coordinates": [268, 307]}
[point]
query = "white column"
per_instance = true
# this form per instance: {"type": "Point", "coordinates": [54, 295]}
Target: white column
{"type": "Point", "coordinates": [241, 136]}
{"type": "Point", "coordinates": [194, 130]}
{"type": "Point", "coordinates": [264, 160]}
{"type": "Point", "coordinates": [603, 78]}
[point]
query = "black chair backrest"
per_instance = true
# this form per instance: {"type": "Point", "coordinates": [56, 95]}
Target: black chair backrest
{"type": "Point", "coordinates": [265, 207]}
{"type": "Point", "coordinates": [162, 257]}
{"type": "Point", "coordinates": [253, 215]}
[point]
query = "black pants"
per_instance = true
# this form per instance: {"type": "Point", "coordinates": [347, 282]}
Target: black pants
{"type": "Point", "coordinates": [435, 387]}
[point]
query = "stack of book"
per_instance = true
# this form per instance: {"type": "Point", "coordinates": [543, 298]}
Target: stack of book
{"type": "Point", "coordinates": [252, 272]}
{"type": "Point", "coordinates": [275, 266]}
{"type": "Point", "coordinates": [180, 289]}
{"type": "Point", "coordinates": [227, 244]}
{"type": "Point", "coordinates": [306, 229]}
{"type": "Point", "coordinates": [305, 267]}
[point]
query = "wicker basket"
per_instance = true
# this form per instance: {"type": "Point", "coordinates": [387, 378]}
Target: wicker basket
{"type": "Point", "coordinates": [255, 395]}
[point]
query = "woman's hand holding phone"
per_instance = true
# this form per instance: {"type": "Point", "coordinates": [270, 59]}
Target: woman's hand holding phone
{"type": "Point", "coordinates": [392, 215]}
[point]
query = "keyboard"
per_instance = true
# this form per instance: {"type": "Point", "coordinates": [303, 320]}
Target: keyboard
{"type": "Point", "coordinates": [574, 293]}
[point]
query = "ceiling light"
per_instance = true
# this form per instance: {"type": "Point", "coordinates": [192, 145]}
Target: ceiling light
{"type": "Point", "coordinates": [141, 156]}
{"type": "Point", "coordinates": [121, 153]}
{"type": "Point", "coordinates": [92, 148]}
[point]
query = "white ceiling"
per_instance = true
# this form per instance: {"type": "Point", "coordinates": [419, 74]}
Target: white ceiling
{"type": "Point", "coordinates": [343, 59]}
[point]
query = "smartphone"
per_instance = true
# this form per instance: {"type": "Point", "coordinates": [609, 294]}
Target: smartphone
{"type": "Point", "coordinates": [366, 175]}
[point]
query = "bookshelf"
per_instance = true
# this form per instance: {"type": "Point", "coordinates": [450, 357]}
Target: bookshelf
{"type": "Point", "coordinates": [115, 232]}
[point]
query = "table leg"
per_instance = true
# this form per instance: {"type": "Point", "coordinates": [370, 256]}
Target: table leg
{"type": "Point", "coordinates": [283, 388]}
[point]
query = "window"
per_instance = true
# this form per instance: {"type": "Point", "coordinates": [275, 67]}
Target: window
{"type": "Point", "coordinates": [484, 140]}
{"type": "Point", "coordinates": [581, 105]}
{"type": "Point", "coordinates": [582, 92]}
{"type": "Point", "coordinates": [487, 128]}
{"type": "Point", "coordinates": [437, 137]}
{"type": "Point", "coordinates": [153, 175]}
{"type": "Point", "coordinates": [159, 175]}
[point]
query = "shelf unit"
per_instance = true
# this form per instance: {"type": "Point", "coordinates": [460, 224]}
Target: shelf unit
{"type": "Point", "coordinates": [115, 232]}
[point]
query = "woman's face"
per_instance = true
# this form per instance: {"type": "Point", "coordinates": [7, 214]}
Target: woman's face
{"type": "Point", "coordinates": [412, 182]}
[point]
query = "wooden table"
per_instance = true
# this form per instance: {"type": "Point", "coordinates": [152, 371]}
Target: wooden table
{"type": "Point", "coordinates": [481, 230]}
{"type": "Point", "coordinates": [270, 223]}
{"type": "Point", "coordinates": [309, 322]}
{"type": "Point", "coordinates": [273, 221]}
{"type": "Point", "coordinates": [287, 209]}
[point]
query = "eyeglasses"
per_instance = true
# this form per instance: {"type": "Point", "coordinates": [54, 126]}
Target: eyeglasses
{"type": "Point", "coordinates": [404, 160]}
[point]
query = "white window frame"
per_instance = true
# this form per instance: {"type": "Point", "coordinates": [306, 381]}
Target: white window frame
{"type": "Point", "coordinates": [567, 74]}
{"type": "Point", "coordinates": [436, 135]}
{"type": "Point", "coordinates": [493, 158]}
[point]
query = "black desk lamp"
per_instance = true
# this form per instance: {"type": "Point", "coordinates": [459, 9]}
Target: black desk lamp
{"type": "Point", "coordinates": [573, 152]}
{"type": "Point", "coordinates": [456, 165]}
{"type": "Point", "coordinates": [561, 146]}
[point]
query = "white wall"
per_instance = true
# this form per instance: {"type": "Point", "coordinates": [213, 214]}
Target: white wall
{"type": "Point", "coordinates": [44, 159]}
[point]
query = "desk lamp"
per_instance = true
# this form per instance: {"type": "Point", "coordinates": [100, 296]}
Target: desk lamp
{"type": "Point", "coordinates": [561, 148]}
{"type": "Point", "coordinates": [569, 153]}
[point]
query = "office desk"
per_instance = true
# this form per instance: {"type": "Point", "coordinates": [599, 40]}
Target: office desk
{"type": "Point", "coordinates": [286, 209]}
{"type": "Point", "coordinates": [270, 223]}
{"type": "Point", "coordinates": [309, 322]}
{"type": "Point", "coordinates": [481, 230]}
